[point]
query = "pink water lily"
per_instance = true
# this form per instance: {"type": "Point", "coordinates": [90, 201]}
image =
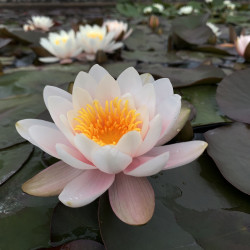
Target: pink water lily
{"type": "Point", "coordinates": [241, 44]}
{"type": "Point", "coordinates": [107, 135]}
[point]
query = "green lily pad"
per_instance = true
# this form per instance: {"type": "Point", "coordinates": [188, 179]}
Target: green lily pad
{"type": "Point", "coordinates": [229, 147]}
{"type": "Point", "coordinates": [68, 224]}
{"type": "Point", "coordinates": [27, 217]}
{"type": "Point", "coordinates": [233, 96]}
{"type": "Point", "coordinates": [12, 159]}
{"type": "Point", "coordinates": [79, 244]}
{"type": "Point", "coordinates": [194, 205]}
{"type": "Point", "coordinates": [202, 97]}
{"type": "Point", "coordinates": [184, 77]}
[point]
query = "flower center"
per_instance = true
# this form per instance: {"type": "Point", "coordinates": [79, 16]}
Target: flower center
{"type": "Point", "coordinates": [106, 125]}
{"type": "Point", "coordinates": [61, 40]}
{"type": "Point", "coordinates": [95, 35]}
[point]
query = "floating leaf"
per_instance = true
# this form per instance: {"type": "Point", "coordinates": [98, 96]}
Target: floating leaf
{"type": "Point", "coordinates": [229, 147]}
{"type": "Point", "coordinates": [184, 77]}
{"type": "Point", "coordinates": [12, 159]}
{"type": "Point", "coordinates": [233, 96]}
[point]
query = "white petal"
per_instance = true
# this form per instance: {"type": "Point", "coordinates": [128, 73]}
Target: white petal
{"type": "Point", "coordinates": [85, 81]}
{"type": "Point", "coordinates": [129, 81]}
{"type": "Point", "coordinates": [86, 188]}
{"type": "Point", "coordinates": [98, 72]}
{"type": "Point", "coordinates": [154, 131]}
{"type": "Point", "coordinates": [107, 90]}
{"type": "Point", "coordinates": [129, 143]}
{"type": "Point", "coordinates": [147, 78]}
{"type": "Point", "coordinates": [73, 157]}
{"type": "Point", "coordinates": [48, 59]}
{"type": "Point", "coordinates": [163, 88]}
{"type": "Point", "coordinates": [147, 165]}
{"type": "Point", "coordinates": [110, 160]}
{"type": "Point", "coordinates": [81, 98]}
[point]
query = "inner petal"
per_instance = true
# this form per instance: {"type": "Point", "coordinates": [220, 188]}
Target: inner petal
{"type": "Point", "coordinates": [107, 124]}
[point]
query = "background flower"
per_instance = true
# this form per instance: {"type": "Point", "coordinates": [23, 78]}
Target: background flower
{"type": "Point", "coordinates": [39, 22]}
{"type": "Point", "coordinates": [62, 45]}
{"type": "Point", "coordinates": [241, 44]}
{"type": "Point", "coordinates": [108, 135]}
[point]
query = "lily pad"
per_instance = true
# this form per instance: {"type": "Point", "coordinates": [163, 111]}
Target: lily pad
{"type": "Point", "coordinates": [229, 147]}
{"type": "Point", "coordinates": [233, 96]}
{"type": "Point", "coordinates": [68, 224]}
{"type": "Point", "coordinates": [12, 159]}
{"type": "Point", "coordinates": [184, 217]}
{"type": "Point", "coordinates": [184, 77]}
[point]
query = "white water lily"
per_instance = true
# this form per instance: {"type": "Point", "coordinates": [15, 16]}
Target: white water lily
{"type": "Point", "coordinates": [107, 135]}
{"type": "Point", "coordinates": [214, 28]}
{"type": "Point", "coordinates": [118, 27]}
{"type": "Point", "coordinates": [94, 38]}
{"type": "Point", "coordinates": [39, 22]}
{"type": "Point", "coordinates": [229, 4]}
{"type": "Point", "coordinates": [185, 10]}
{"type": "Point", "coordinates": [62, 45]}
{"type": "Point", "coordinates": [241, 44]}
{"type": "Point", "coordinates": [208, 1]}
{"type": "Point", "coordinates": [158, 6]}
{"type": "Point", "coordinates": [147, 10]}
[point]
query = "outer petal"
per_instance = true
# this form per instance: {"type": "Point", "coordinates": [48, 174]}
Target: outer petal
{"type": "Point", "coordinates": [54, 91]}
{"type": "Point", "coordinates": [48, 59]}
{"type": "Point", "coordinates": [98, 72]}
{"type": "Point", "coordinates": [129, 81]}
{"type": "Point", "coordinates": [85, 81]}
{"type": "Point", "coordinates": [154, 131]}
{"type": "Point", "coordinates": [132, 199]}
{"type": "Point", "coordinates": [129, 143]}
{"type": "Point", "coordinates": [46, 138]}
{"type": "Point", "coordinates": [180, 153]}
{"type": "Point", "coordinates": [86, 188]}
{"type": "Point", "coordinates": [51, 181]}
{"type": "Point", "coordinates": [163, 88]}
{"type": "Point", "coordinates": [147, 165]}
{"type": "Point", "coordinates": [73, 157]}
{"type": "Point", "coordinates": [23, 127]}
{"type": "Point", "coordinates": [177, 127]}
{"type": "Point", "coordinates": [81, 98]}
{"type": "Point", "coordinates": [110, 160]}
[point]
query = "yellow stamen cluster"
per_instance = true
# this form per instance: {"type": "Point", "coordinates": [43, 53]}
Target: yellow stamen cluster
{"type": "Point", "coordinates": [95, 35]}
{"type": "Point", "coordinates": [62, 40]}
{"type": "Point", "coordinates": [106, 125]}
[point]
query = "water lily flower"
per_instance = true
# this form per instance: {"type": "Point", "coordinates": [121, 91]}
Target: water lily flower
{"type": "Point", "coordinates": [229, 4]}
{"type": "Point", "coordinates": [119, 28]}
{"type": "Point", "coordinates": [158, 6]}
{"type": "Point", "coordinates": [241, 44]}
{"type": "Point", "coordinates": [147, 10]}
{"type": "Point", "coordinates": [39, 22]}
{"type": "Point", "coordinates": [94, 38]}
{"type": "Point", "coordinates": [62, 45]}
{"type": "Point", "coordinates": [108, 136]}
{"type": "Point", "coordinates": [208, 1]}
{"type": "Point", "coordinates": [185, 10]}
{"type": "Point", "coordinates": [214, 28]}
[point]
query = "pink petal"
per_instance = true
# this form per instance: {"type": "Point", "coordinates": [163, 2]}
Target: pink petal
{"type": "Point", "coordinates": [129, 81]}
{"type": "Point", "coordinates": [73, 157]}
{"type": "Point", "coordinates": [169, 110]}
{"type": "Point", "coordinates": [81, 98]}
{"type": "Point", "coordinates": [23, 127]}
{"type": "Point", "coordinates": [58, 108]}
{"type": "Point", "coordinates": [107, 90]}
{"type": "Point", "coordinates": [146, 97]}
{"type": "Point", "coordinates": [85, 81]}
{"type": "Point", "coordinates": [147, 165]}
{"type": "Point", "coordinates": [163, 88]}
{"type": "Point", "coordinates": [51, 181]}
{"type": "Point", "coordinates": [176, 128]}
{"type": "Point", "coordinates": [85, 145]}
{"type": "Point", "coordinates": [98, 72]}
{"type": "Point", "coordinates": [110, 160]}
{"type": "Point", "coordinates": [180, 153]}
{"type": "Point", "coordinates": [132, 199]}
{"type": "Point", "coordinates": [86, 188]}
{"type": "Point", "coordinates": [46, 138]}
{"type": "Point", "coordinates": [54, 91]}
{"type": "Point", "coordinates": [129, 143]}
{"type": "Point", "coordinates": [147, 78]}
{"type": "Point", "coordinates": [154, 131]}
